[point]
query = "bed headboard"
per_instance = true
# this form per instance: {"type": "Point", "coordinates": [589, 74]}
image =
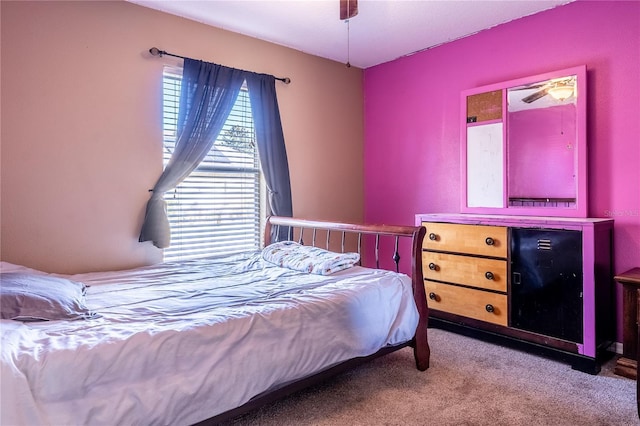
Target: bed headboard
{"type": "Point", "coordinates": [306, 232]}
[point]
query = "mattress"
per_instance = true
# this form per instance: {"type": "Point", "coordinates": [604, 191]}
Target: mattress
{"type": "Point", "coordinates": [177, 343]}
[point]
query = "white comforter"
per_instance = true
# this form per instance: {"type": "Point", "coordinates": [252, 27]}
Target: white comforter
{"type": "Point", "coordinates": [179, 343]}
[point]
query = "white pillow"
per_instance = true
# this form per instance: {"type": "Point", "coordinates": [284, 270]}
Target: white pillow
{"type": "Point", "coordinates": [314, 260]}
{"type": "Point", "coordinates": [33, 297]}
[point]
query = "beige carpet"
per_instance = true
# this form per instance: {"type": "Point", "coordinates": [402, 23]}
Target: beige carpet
{"type": "Point", "coordinates": [470, 382]}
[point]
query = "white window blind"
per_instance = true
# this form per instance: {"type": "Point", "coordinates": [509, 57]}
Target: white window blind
{"type": "Point", "coordinates": [217, 209]}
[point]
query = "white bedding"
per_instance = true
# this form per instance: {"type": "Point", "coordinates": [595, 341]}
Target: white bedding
{"type": "Point", "coordinates": [177, 344]}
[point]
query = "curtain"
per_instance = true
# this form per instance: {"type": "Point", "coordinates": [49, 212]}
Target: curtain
{"type": "Point", "coordinates": [270, 142]}
{"type": "Point", "coordinates": [207, 96]}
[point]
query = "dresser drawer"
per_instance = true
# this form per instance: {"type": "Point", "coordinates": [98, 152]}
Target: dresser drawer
{"type": "Point", "coordinates": [471, 271]}
{"type": "Point", "coordinates": [479, 240]}
{"type": "Point", "coordinates": [467, 302]}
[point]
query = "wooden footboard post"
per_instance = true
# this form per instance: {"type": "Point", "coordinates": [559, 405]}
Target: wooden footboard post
{"type": "Point", "coordinates": [421, 350]}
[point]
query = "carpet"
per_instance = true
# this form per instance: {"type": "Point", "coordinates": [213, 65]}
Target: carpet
{"type": "Point", "coordinates": [469, 382]}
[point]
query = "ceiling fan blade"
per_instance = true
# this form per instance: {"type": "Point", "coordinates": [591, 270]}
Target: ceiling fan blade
{"type": "Point", "coordinates": [348, 9]}
{"type": "Point", "coordinates": [529, 87]}
{"type": "Point", "coordinates": [535, 96]}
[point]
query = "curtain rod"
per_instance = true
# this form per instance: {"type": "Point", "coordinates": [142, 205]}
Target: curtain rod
{"type": "Point", "coordinates": [157, 52]}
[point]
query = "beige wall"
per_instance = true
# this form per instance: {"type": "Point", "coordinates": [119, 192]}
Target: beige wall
{"type": "Point", "coordinates": [81, 127]}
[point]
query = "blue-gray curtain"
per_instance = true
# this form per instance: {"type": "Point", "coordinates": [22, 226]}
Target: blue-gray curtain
{"type": "Point", "coordinates": [270, 141]}
{"type": "Point", "coordinates": [207, 96]}
{"type": "Point", "coordinates": [271, 147]}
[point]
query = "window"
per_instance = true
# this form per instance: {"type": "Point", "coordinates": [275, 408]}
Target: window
{"type": "Point", "coordinates": [218, 208]}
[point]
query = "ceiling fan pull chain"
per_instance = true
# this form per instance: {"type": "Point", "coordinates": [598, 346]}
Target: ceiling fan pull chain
{"type": "Point", "coordinates": [348, 9]}
{"type": "Point", "coordinates": [348, 33]}
{"type": "Point", "coordinates": [348, 45]}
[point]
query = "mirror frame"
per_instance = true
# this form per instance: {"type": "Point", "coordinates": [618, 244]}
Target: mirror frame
{"type": "Point", "coordinates": [580, 165]}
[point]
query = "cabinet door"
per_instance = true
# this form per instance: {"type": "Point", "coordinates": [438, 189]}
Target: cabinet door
{"type": "Point", "coordinates": [546, 282]}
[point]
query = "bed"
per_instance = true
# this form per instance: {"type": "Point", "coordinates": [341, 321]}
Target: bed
{"type": "Point", "coordinates": [206, 340]}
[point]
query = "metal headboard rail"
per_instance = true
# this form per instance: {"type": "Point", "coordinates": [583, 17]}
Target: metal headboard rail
{"type": "Point", "coordinates": [397, 232]}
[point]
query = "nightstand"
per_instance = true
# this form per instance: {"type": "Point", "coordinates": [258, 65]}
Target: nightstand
{"type": "Point", "coordinates": [627, 364]}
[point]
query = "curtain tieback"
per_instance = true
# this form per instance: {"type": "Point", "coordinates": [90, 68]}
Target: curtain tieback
{"type": "Point", "coordinates": [157, 194]}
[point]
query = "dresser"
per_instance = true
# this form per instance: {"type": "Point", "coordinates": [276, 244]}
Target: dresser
{"type": "Point", "coordinates": [538, 283]}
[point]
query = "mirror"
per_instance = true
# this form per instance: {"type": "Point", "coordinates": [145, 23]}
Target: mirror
{"type": "Point", "coordinates": [523, 146]}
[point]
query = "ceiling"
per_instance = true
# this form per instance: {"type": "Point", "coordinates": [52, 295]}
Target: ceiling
{"type": "Point", "coordinates": [382, 31]}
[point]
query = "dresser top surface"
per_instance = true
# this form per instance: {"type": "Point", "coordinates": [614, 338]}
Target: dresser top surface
{"type": "Point", "coordinates": [632, 276]}
{"type": "Point", "coordinates": [507, 219]}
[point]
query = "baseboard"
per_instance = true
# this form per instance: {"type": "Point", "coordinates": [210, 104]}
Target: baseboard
{"type": "Point", "coordinates": [615, 347]}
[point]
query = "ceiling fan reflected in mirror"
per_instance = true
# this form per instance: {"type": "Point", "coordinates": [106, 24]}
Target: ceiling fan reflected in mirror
{"type": "Point", "coordinates": [559, 89]}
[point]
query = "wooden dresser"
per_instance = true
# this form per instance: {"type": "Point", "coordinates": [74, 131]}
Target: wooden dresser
{"type": "Point", "coordinates": [542, 284]}
{"type": "Point", "coordinates": [465, 270]}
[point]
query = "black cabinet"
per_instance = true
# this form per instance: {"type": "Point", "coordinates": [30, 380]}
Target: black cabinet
{"type": "Point", "coordinates": [546, 282]}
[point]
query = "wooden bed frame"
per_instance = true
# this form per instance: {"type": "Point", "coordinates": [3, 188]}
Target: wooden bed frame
{"type": "Point", "coordinates": [306, 232]}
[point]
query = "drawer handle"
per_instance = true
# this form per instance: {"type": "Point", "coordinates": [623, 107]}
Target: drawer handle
{"type": "Point", "coordinates": [433, 296]}
{"type": "Point", "coordinates": [490, 308]}
{"type": "Point", "coordinates": [488, 275]}
{"type": "Point", "coordinates": [433, 237]}
{"type": "Point", "coordinates": [433, 266]}
{"type": "Point", "coordinates": [489, 241]}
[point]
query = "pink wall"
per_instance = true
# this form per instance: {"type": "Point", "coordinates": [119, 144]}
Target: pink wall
{"type": "Point", "coordinates": [412, 114]}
